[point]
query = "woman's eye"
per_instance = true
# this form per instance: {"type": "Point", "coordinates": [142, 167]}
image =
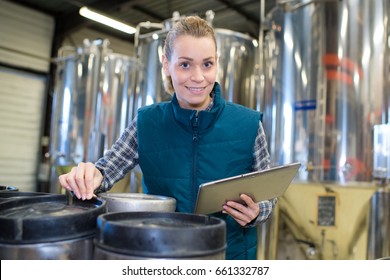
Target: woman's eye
{"type": "Point", "coordinates": [184, 65]}
{"type": "Point", "coordinates": [208, 64]}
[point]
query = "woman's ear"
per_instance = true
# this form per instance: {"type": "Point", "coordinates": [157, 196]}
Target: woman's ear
{"type": "Point", "coordinates": [165, 65]}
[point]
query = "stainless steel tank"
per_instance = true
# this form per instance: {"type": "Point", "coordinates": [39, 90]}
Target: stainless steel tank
{"type": "Point", "coordinates": [379, 219]}
{"type": "Point", "coordinates": [76, 105]}
{"type": "Point", "coordinates": [238, 66]}
{"type": "Point", "coordinates": [91, 104]}
{"type": "Point", "coordinates": [118, 83]}
{"type": "Point", "coordinates": [326, 84]}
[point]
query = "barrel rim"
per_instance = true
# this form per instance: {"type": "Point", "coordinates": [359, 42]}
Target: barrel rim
{"type": "Point", "coordinates": [24, 230]}
{"type": "Point", "coordinates": [125, 196]}
{"type": "Point", "coordinates": [151, 240]}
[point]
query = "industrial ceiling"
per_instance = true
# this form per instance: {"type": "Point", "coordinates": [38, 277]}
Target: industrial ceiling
{"type": "Point", "coordinates": [243, 16]}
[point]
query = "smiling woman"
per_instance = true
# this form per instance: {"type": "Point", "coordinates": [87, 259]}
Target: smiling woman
{"type": "Point", "coordinates": [192, 70]}
{"type": "Point", "coordinates": [200, 135]}
{"type": "Point", "coordinates": [188, 60]}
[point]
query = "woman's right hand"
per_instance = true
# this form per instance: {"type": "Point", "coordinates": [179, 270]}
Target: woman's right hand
{"type": "Point", "coordinates": [83, 180]}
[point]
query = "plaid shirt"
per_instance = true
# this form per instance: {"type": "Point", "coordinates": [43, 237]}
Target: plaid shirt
{"type": "Point", "coordinates": [123, 156]}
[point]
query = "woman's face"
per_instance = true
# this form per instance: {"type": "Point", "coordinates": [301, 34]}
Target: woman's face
{"type": "Point", "coordinates": [193, 69]}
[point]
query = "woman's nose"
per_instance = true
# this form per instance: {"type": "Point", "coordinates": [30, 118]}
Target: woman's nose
{"type": "Point", "coordinates": [197, 75]}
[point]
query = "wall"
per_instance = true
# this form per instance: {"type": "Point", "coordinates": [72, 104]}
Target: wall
{"type": "Point", "coordinates": [25, 47]}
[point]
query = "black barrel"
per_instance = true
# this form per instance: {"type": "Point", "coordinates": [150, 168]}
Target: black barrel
{"type": "Point", "coordinates": [159, 235]}
{"type": "Point", "coordinates": [13, 193]}
{"type": "Point", "coordinates": [48, 227]}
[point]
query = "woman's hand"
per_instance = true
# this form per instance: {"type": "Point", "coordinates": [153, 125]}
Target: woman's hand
{"type": "Point", "coordinates": [242, 213]}
{"type": "Point", "coordinates": [83, 180]}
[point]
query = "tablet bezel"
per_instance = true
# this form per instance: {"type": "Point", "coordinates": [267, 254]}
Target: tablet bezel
{"type": "Point", "coordinates": [260, 185]}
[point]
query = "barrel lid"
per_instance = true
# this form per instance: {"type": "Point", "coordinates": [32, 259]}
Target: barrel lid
{"type": "Point", "coordinates": [13, 194]}
{"type": "Point", "coordinates": [160, 234]}
{"type": "Point", "coordinates": [48, 218]}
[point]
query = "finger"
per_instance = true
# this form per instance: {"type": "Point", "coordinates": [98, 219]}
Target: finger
{"type": "Point", "coordinates": [63, 182]}
{"type": "Point", "coordinates": [89, 179]}
{"type": "Point", "coordinates": [242, 212]}
{"type": "Point", "coordinates": [236, 214]}
{"type": "Point", "coordinates": [237, 206]}
{"type": "Point", "coordinates": [247, 199]}
{"type": "Point", "coordinates": [97, 180]}
{"type": "Point", "coordinates": [253, 206]}
{"type": "Point", "coordinates": [80, 180]}
{"type": "Point", "coordinates": [71, 182]}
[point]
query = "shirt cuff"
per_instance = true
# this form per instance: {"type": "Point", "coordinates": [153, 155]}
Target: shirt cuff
{"type": "Point", "coordinates": [266, 208]}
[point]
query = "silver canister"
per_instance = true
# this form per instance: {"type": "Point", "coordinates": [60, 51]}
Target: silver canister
{"type": "Point", "coordinates": [132, 202]}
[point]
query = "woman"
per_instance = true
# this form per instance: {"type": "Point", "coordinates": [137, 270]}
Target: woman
{"type": "Point", "coordinates": [195, 138]}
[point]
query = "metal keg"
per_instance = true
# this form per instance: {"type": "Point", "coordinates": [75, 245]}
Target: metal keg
{"type": "Point", "coordinates": [129, 202]}
{"type": "Point", "coordinates": [156, 235]}
{"type": "Point", "coordinates": [48, 227]}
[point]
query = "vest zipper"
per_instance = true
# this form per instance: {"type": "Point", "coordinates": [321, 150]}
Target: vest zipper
{"type": "Point", "coordinates": [195, 129]}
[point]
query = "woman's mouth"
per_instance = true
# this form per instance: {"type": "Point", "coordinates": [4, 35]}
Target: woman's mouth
{"type": "Point", "coordinates": [196, 89]}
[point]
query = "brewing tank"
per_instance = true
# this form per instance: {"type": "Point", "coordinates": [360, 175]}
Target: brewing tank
{"type": "Point", "coordinates": [75, 104]}
{"type": "Point", "coordinates": [326, 85]}
{"type": "Point", "coordinates": [92, 104]}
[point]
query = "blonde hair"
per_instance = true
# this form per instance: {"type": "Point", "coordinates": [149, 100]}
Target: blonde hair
{"type": "Point", "coordinates": [191, 25]}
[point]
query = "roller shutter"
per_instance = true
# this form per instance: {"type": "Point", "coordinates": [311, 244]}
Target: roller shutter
{"type": "Point", "coordinates": [25, 49]}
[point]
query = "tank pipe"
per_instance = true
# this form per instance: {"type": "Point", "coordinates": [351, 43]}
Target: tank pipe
{"type": "Point", "coordinates": [210, 17]}
{"type": "Point", "coordinates": [289, 7]}
{"type": "Point", "coordinates": [147, 25]}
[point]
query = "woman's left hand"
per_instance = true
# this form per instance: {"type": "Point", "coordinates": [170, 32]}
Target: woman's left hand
{"type": "Point", "coordinates": [242, 213]}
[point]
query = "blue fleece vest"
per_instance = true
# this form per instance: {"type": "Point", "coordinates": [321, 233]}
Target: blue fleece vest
{"type": "Point", "coordinates": [179, 149]}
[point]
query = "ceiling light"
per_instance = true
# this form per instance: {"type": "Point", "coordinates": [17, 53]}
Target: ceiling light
{"type": "Point", "coordinates": [86, 12]}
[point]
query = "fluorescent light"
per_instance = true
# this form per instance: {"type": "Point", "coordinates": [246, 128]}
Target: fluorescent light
{"type": "Point", "coordinates": [85, 12]}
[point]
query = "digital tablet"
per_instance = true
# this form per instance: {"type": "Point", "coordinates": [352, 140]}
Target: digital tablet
{"type": "Point", "coordinates": [260, 185]}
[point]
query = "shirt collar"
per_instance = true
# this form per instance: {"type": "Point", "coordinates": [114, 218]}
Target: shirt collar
{"type": "Point", "coordinates": [210, 106]}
